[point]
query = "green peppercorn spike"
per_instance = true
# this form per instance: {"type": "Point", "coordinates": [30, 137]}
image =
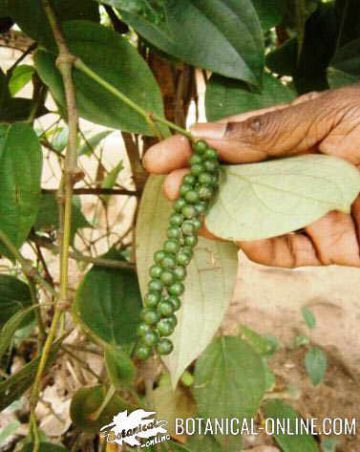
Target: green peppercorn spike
{"type": "Point", "coordinates": [169, 270]}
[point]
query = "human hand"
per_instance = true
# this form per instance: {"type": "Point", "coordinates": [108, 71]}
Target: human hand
{"type": "Point", "coordinates": [328, 123]}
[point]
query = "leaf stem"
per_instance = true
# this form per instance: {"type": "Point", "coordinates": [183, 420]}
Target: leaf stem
{"type": "Point", "coordinates": [148, 116]}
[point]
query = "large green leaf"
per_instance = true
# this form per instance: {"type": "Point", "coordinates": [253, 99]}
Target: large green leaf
{"type": "Point", "coordinates": [12, 325]}
{"type": "Point", "coordinates": [119, 367]}
{"type": "Point", "coordinates": [30, 17]}
{"type": "Point", "coordinates": [262, 200]}
{"type": "Point", "coordinates": [14, 296]}
{"type": "Point", "coordinates": [209, 283]}
{"type": "Point", "coordinates": [270, 12]}
{"type": "Point", "coordinates": [230, 29]}
{"type": "Point", "coordinates": [226, 97]}
{"type": "Point", "coordinates": [15, 386]}
{"type": "Point", "coordinates": [278, 410]}
{"type": "Point", "coordinates": [337, 78]}
{"type": "Point", "coordinates": [115, 60]}
{"type": "Point", "coordinates": [20, 173]}
{"type": "Point", "coordinates": [85, 405]}
{"type": "Point", "coordinates": [108, 304]}
{"type": "Point", "coordinates": [347, 58]}
{"type": "Point", "coordinates": [229, 379]}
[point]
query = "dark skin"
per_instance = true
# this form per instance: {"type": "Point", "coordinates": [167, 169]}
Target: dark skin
{"type": "Point", "coordinates": [327, 123]}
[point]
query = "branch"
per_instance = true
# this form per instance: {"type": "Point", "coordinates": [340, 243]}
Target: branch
{"type": "Point", "coordinates": [97, 191]}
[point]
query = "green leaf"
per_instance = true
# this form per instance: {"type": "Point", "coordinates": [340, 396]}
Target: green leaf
{"type": "Point", "coordinates": [347, 58]}
{"type": "Point", "coordinates": [270, 12]}
{"type": "Point", "coordinates": [309, 317]}
{"type": "Point", "coordinates": [20, 172]}
{"type": "Point", "coordinates": [14, 296]}
{"type": "Point", "coordinates": [108, 304]}
{"type": "Point", "coordinates": [337, 79]}
{"type": "Point", "coordinates": [93, 142]}
{"type": "Point", "coordinates": [115, 60]}
{"type": "Point", "coordinates": [263, 200]}
{"type": "Point", "coordinates": [277, 409]}
{"type": "Point", "coordinates": [171, 404]}
{"type": "Point", "coordinates": [8, 430]}
{"type": "Point", "coordinates": [209, 283]}
{"type": "Point", "coordinates": [48, 215]}
{"type": "Point", "coordinates": [119, 367]}
{"type": "Point", "coordinates": [44, 447]}
{"type": "Point", "coordinates": [283, 60]}
{"type": "Point", "coordinates": [226, 97]}
{"type": "Point", "coordinates": [15, 109]}
{"type": "Point", "coordinates": [229, 379]}
{"type": "Point", "coordinates": [30, 16]}
{"type": "Point", "coordinates": [15, 386]}
{"type": "Point", "coordinates": [15, 322]}
{"type": "Point", "coordinates": [348, 13]}
{"type": "Point", "coordinates": [261, 344]}
{"type": "Point", "coordinates": [85, 404]}
{"type": "Point", "coordinates": [230, 28]}
{"type": "Point", "coordinates": [20, 77]}
{"type": "Point", "coordinates": [315, 364]}
{"type": "Point", "coordinates": [110, 179]}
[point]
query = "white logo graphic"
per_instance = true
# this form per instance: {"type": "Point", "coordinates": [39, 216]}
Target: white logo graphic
{"type": "Point", "coordinates": [130, 429]}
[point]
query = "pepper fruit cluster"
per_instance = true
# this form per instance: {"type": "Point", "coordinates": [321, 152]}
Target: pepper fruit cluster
{"type": "Point", "coordinates": [167, 274]}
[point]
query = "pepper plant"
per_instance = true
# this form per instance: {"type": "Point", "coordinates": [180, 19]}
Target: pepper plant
{"type": "Point", "coordinates": [158, 288]}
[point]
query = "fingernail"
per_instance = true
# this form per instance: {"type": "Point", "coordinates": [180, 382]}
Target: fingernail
{"type": "Point", "coordinates": [209, 130]}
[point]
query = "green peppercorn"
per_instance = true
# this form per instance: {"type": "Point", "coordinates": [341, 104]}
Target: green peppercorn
{"type": "Point", "coordinates": [205, 192]}
{"type": "Point", "coordinates": [176, 219]}
{"type": "Point", "coordinates": [168, 262]}
{"type": "Point", "coordinates": [211, 165]}
{"type": "Point", "coordinates": [185, 188]}
{"type": "Point", "coordinates": [179, 273]}
{"type": "Point", "coordinates": [189, 212]}
{"type": "Point", "coordinates": [197, 223]}
{"type": "Point", "coordinates": [198, 168]}
{"type": "Point", "coordinates": [151, 299]}
{"type": "Point", "coordinates": [211, 154]}
{"type": "Point", "coordinates": [195, 160]}
{"type": "Point", "coordinates": [155, 285]}
{"type": "Point", "coordinates": [200, 147]}
{"type": "Point", "coordinates": [143, 328]}
{"type": "Point", "coordinates": [159, 255]}
{"type": "Point", "coordinates": [143, 352]}
{"type": "Point", "coordinates": [205, 178]}
{"type": "Point", "coordinates": [179, 204]}
{"type": "Point", "coordinates": [187, 250]}
{"type": "Point", "coordinates": [167, 278]}
{"type": "Point", "coordinates": [192, 197]}
{"type": "Point", "coordinates": [171, 246]}
{"type": "Point", "coordinates": [173, 232]}
{"type": "Point", "coordinates": [175, 302]}
{"type": "Point", "coordinates": [189, 179]}
{"type": "Point", "coordinates": [172, 320]}
{"type": "Point", "coordinates": [164, 346]}
{"type": "Point", "coordinates": [183, 258]}
{"type": "Point", "coordinates": [165, 327]}
{"type": "Point", "coordinates": [150, 339]}
{"type": "Point", "coordinates": [201, 207]}
{"type": "Point", "coordinates": [191, 240]}
{"type": "Point", "coordinates": [149, 316]}
{"type": "Point", "coordinates": [165, 308]}
{"type": "Point", "coordinates": [188, 228]}
{"type": "Point", "coordinates": [155, 271]}
{"type": "Point", "coordinates": [176, 289]}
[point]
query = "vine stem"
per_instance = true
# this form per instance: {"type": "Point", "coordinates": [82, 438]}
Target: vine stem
{"type": "Point", "coordinates": [64, 62]}
{"type": "Point", "coordinates": [148, 116]}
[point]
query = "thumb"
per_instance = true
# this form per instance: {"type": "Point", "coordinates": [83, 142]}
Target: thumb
{"type": "Point", "coordinates": [292, 130]}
